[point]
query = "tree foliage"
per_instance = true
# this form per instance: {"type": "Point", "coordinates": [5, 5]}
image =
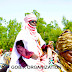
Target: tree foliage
{"type": "Point", "coordinates": [67, 24]}
{"type": "Point", "coordinates": [49, 32]}
{"type": "Point", "coordinates": [8, 33]}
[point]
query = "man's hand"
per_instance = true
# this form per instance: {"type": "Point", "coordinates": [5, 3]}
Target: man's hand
{"type": "Point", "coordinates": [34, 56]}
{"type": "Point", "coordinates": [44, 48]}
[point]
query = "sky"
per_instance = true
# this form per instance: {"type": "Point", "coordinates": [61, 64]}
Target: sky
{"type": "Point", "coordinates": [50, 10]}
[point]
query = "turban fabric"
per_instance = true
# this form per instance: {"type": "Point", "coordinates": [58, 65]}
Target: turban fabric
{"type": "Point", "coordinates": [30, 17]}
{"type": "Point", "coordinates": [64, 41]}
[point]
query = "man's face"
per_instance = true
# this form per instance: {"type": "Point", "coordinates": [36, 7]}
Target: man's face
{"type": "Point", "coordinates": [67, 56]}
{"type": "Point", "coordinates": [33, 22]}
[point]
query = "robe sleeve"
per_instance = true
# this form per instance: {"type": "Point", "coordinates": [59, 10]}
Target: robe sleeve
{"type": "Point", "coordinates": [42, 42]}
{"type": "Point", "coordinates": [22, 51]}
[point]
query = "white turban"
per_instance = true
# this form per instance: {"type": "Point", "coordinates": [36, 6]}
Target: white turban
{"type": "Point", "coordinates": [30, 17]}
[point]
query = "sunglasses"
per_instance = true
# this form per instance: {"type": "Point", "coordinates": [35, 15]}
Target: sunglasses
{"type": "Point", "coordinates": [32, 21]}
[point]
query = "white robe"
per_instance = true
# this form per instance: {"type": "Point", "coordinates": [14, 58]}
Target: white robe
{"type": "Point", "coordinates": [30, 44]}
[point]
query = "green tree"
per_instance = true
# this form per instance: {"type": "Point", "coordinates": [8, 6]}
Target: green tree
{"type": "Point", "coordinates": [13, 28]}
{"type": "Point", "coordinates": [52, 32]}
{"type": "Point", "coordinates": [8, 33]}
{"type": "Point", "coordinates": [3, 34]}
{"type": "Point", "coordinates": [49, 32]}
{"type": "Point", "coordinates": [67, 24]}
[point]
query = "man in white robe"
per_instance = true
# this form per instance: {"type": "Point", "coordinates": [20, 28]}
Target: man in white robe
{"type": "Point", "coordinates": [28, 49]}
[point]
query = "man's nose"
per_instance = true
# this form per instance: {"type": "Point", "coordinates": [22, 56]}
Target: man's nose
{"type": "Point", "coordinates": [34, 22]}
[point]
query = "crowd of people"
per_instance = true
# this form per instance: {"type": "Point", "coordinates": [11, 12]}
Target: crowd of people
{"type": "Point", "coordinates": [5, 57]}
{"type": "Point", "coordinates": [31, 54]}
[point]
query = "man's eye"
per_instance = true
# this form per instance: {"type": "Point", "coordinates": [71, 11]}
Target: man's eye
{"type": "Point", "coordinates": [20, 45]}
{"type": "Point", "coordinates": [17, 46]}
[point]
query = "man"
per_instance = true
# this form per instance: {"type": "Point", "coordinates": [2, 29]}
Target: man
{"type": "Point", "coordinates": [64, 47]}
{"type": "Point", "coordinates": [28, 48]}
